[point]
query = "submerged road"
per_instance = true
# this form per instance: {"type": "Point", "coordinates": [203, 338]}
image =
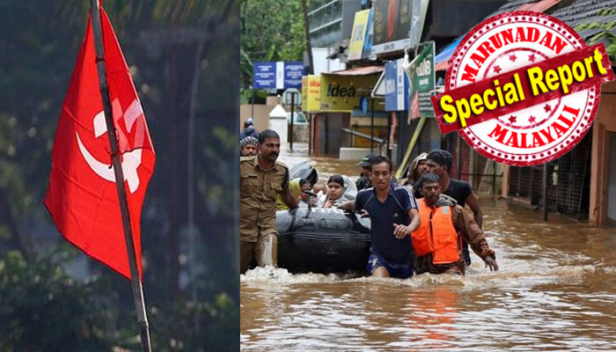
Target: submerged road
{"type": "Point", "coordinates": [556, 291]}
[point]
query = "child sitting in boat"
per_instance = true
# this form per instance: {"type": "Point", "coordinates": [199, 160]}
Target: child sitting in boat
{"type": "Point", "coordinates": [320, 189]}
{"type": "Point", "coordinates": [341, 190]}
{"type": "Point", "coordinates": [304, 185]}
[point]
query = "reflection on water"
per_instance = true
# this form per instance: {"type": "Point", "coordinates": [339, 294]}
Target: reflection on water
{"type": "Point", "coordinates": [556, 291]}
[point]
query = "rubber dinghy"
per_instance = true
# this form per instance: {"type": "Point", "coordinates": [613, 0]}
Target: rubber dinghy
{"type": "Point", "coordinates": [321, 240]}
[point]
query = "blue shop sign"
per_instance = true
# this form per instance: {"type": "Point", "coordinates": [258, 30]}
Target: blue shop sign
{"type": "Point", "coordinates": [396, 87]}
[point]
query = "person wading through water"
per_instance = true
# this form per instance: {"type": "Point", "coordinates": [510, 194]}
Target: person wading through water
{"type": "Point", "coordinates": [439, 163]}
{"type": "Point", "coordinates": [415, 170]}
{"type": "Point", "coordinates": [393, 215]}
{"type": "Point", "coordinates": [363, 182]}
{"type": "Point", "coordinates": [437, 242]}
{"type": "Point", "coordinates": [261, 178]}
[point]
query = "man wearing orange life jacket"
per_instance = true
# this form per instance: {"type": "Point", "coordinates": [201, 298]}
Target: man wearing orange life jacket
{"type": "Point", "coordinates": [437, 242]}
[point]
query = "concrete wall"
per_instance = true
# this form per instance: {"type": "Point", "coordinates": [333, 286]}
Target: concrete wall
{"type": "Point", "coordinates": [261, 117]}
{"type": "Point", "coordinates": [261, 113]}
{"type": "Point", "coordinates": [603, 159]}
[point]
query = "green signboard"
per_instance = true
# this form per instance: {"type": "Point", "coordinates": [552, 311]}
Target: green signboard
{"type": "Point", "coordinates": [421, 79]}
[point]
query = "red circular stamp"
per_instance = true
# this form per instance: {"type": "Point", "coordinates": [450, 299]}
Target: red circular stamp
{"type": "Point", "coordinates": [522, 88]}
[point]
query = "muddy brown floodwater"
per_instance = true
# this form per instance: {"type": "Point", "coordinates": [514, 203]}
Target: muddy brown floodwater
{"type": "Point", "coordinates": [556, 291]}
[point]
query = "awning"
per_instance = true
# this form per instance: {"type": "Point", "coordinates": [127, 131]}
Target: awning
{"type": "Point", "coordinates": [358, 71]}
{"type": "Point", "coordinates": [441, 61]}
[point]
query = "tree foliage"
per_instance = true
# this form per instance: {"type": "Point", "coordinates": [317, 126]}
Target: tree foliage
{"type": "Point", "coordinates": [271, 30]}
{"type": "Point", "coordinates": [44, 309]}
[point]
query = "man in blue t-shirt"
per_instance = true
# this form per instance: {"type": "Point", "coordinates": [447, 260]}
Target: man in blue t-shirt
{"type": "Point", "coordinates": [393, 215]}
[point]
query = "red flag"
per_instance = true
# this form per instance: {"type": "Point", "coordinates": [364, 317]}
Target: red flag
{"type": "Point", "coordinates": [82, 197]}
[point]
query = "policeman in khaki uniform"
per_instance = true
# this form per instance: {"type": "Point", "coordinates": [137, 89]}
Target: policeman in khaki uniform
{"type": "Point", "coordinates": [262, 177]}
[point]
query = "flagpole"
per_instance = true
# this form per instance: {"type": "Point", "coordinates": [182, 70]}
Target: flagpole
{"type": "Point", "coordinates": [144, 331]}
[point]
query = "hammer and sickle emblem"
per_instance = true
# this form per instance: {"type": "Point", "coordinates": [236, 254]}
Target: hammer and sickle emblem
{"type": "Point", "coordinates": [131, 160]}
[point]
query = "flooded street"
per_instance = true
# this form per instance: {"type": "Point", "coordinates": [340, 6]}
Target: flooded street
{"type": "Point", "coordinates": [556, 291]}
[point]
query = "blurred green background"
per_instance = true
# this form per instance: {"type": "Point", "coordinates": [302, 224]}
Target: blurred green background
{"type": "Point", "coordinates": [54, 298]}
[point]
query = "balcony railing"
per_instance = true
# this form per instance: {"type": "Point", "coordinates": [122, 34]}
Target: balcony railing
{"type": "Point", "coordinates": [325, 24]}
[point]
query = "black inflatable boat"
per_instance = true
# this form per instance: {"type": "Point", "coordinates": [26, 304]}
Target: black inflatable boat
{"type": "Point", "coordinates": [322, 241]}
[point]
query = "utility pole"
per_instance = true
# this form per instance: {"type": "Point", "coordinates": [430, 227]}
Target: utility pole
{"type": "Point", "coordinates": [292, 118]}
{"type": "Point", "coordinates": [308, 44]}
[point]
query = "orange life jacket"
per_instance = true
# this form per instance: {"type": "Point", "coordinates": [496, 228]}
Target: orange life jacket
{"type": "Point", "coordinates": [436, 234]}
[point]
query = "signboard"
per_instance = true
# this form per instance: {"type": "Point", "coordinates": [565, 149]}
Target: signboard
{"type": "Point", "coordinates": [421, 79]}
{"type": "Point", "coordinates": [278, 75]}
{"type": "Point", "coordinates": [391, 26]}
{"type": "Point", "coordinates": [396, 86]}
{"type": "Point", "coordinates": [418, 18]}
{"type": "Point", "coordinates": [293, 72]}
{"type": "Point", "coordinates": [358, 36]}
{"type": "Point", "coordinates": [287, 98]}
{"type": "Point", "coordinates": [311, 93]}
{"type": "Point", "coordinates": [368, 41]}
{"type": "Point", "coordinates": [265, 75]}
{"type": "Point", "coordinates": [343, 93]}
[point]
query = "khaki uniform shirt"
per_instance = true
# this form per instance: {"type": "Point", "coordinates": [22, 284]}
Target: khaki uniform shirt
{"type": "Point", "coordinates": [258, 189]}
